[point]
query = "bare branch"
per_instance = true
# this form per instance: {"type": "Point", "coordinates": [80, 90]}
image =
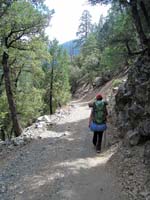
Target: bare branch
{"type": "Point", "coordinates": [17, 38]}
{"type": "Point", "coordinates": [21, 48]}
{"type": "Point", "coordinates": [18, 75]}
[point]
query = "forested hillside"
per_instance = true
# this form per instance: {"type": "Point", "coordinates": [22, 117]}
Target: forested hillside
{"type": "Point", "coordinates": [40, 77]}
{"type": "Point", "coordinates": [71, 48]}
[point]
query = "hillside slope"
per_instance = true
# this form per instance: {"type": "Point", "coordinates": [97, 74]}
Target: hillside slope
{"type": "Point", "coordinates": [71, 48]}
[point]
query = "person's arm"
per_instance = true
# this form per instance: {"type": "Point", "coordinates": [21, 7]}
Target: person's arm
{"type": "Point", "coordinates": [106, 112]}
{"type": "Point", "coordinates": [91, 117]}
{"type": "Point", "coordinates": [90, 104]}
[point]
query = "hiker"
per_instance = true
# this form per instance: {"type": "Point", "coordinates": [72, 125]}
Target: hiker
{"type": "Point", "coordinates": [97, 120]}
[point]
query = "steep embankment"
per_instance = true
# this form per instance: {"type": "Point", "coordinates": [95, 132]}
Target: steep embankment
{"type": "Point", "coordinates": [133, 120]}
{"type": "Point", "coordinates": [133, 102]}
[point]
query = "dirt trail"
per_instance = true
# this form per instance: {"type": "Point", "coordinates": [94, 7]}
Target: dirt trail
{"type": "Point", "coordinates": [61, 168]}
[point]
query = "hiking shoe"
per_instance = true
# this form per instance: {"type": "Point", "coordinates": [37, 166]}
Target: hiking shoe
{"type": "Point", "coordinates": [98, 151]}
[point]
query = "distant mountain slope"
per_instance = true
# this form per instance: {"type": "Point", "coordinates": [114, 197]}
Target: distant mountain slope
{"type": "Point", "coordinates": [71, 48]}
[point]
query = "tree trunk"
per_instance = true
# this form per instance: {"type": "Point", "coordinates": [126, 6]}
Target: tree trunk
{"type": "Point", "coordinates": [2, 134]}
{"type": "Point", "coordinates": [1, 82]}
{"type": "Point", "coordinates": [138, 23]}
{"type": "Point", "coordinates": [143, 7]}
{"type": "Point", "coordinates": [128, 47]}
{"type": "Point", "coordinates": [17, 78]}
{"type": "Point", "coordinates": [10, 98]}
{"type": "Point", "coordinates": [51, 91]}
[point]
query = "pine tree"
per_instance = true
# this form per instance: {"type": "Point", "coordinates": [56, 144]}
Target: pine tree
{"type": "Point", "coordinates": [85, 27]}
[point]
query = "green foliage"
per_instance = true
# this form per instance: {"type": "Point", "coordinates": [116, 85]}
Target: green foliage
{"type": "Point", "coordinates": [5, 122]}
{"type": "Point", "coordinates": [57, 77]}
{"type": "Point", "coordinates": [90, 46]}
{"type": "Point", "coordinates": [3, 109]}
{"type": "Point", "coordinates": [61, 80]}
{"type": "Point", "coordinates": [90, 57]}
{"type": "Point", "coordinates": [22, 26]}
{"type": "Point", "coordinates": [85, 27]}
{"type": "Point", "coordinates": [30, 85]}
{"type": "Point", "coordinates": [112, 58]}
{"type": "Point", "coordinates": [91, 67]}
{"type": "Point", "coordinates": [109, 47]}
{"type": "Point", "coordinates": [22, 20]}
{"type": "Point", "coordinates": [140, 16]}
{"type": "Point", "coordinates": [116, 82]}
{"type": "Point", "coordinates": [30, 105]}
{"type": "Point", "coordinates": [74, 75]}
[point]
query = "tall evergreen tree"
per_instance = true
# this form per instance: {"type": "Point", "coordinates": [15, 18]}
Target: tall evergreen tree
{"type": "Point", "coordinates": [85, 27]}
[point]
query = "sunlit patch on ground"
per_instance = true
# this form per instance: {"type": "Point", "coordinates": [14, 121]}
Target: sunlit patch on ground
{"type": "Point", "coordinates": [37, 181]}
{"type": "Point", "coordinates": [53, 134]}
{"type": "Point", "coordinates": [78, 116]}
{"type": "Point", "coordinates": [87, 163]}
{"type": "Point", "coordinates": [73, 166]}
{"type": "Point", "coordinates": [67, 193]}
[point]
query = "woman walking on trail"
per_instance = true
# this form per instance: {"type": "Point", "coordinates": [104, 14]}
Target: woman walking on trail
{"type": "Point", "coordinates": [97, 120]}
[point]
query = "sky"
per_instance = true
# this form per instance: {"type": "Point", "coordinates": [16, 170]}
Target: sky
{"type": "Point", "coordinates": [66, 19]}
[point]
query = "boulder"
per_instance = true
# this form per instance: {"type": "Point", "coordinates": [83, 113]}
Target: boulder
{"type": "Point", "coordinates": [101, 80]}
{"type": "Point", "coordinates": [44, 118]}
{"type": "Point", "coordinates": [136, 111]}
{"type": "Point", "coordinates": [144, 127]}
{"type": "Point", "coordinates": [98, 82]}
{"type": "Point", "coordinates": [133, 137]}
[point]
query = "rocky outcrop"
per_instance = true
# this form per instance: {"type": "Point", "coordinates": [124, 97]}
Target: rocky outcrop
{"type": "Point", "coordinates": [101, 80]}
{"type": "Point", "coordinates": [133, 103]}
{"type": "Point", "coordinates": [42, 125]}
